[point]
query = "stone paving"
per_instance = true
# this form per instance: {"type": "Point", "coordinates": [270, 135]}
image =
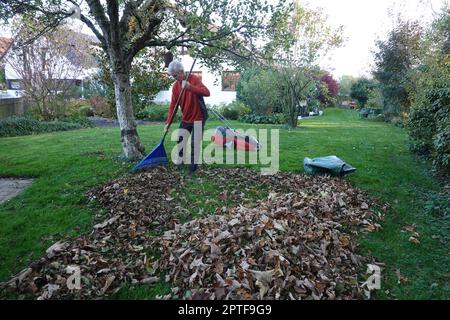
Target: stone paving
{"type": "Point", "coordinates": [10, 187]}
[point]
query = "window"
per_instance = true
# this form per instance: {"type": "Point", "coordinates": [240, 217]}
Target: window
{"type": "Point", "coordinates": [230, 80]}
{"type": "Point", "coordinates": [15, 85]}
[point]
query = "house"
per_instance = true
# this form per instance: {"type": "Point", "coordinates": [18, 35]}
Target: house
{"type": "Point", "coordinates": [63, 68]}
{"type": "Point", "coordinates": [10, 101]}
{"type": "Point", "coordinates": [222, 87]}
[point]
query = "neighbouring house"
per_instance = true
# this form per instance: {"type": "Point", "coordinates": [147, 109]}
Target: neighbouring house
{"type": "Point", "coordinates": [69, 68]}
{"type": "Point", "coordinates": [222, 87]}
{"type": "Point", "coordinates": [10, 103]}
{"type": "Point", "coordinates": [48, 66]}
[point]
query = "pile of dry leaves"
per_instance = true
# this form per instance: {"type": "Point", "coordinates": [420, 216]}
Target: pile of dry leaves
{"type": "Point", "coordinates": [115, 251]}
{"type": "Point", "coordinates": [297, 243]}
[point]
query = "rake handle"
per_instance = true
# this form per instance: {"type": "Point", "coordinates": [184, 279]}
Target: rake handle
{"type": "Point", "coordinates": [172, 116]}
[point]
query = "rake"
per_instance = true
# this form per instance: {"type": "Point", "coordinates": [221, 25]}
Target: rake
{"type": "Point", "coordinates": [158, 156]}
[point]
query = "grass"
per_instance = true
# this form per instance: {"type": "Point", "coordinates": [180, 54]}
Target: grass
{"type": "Point", "coordinates": [67, 164]}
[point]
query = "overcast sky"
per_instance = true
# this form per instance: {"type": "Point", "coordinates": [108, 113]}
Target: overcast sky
{"type": "Point", "coordinates": [364, 22]}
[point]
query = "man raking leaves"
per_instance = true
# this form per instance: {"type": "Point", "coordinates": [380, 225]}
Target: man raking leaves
{"type": "Point", "coordinates": [188, 92]}
{"type": "Point", "coordinates": [193, 111]}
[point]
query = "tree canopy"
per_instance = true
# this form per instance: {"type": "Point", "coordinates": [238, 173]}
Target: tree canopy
{"type": "Point", "coordinates": [215, 31]}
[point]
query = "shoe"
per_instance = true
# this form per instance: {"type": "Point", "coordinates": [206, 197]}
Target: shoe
{"type": "Point", "coordinates": [191, 174]}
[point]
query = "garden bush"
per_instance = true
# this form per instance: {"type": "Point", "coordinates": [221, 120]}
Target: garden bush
{"type": "Point", "coordinates": [26, 125]}
{"type": "Point", "coordinates": [231, 111]}
{"type": "Point", "coordinates": [102, 107]}
{"type": "Point", "coordinates": [259, 90]}
{"type": "Point", "coordinates": [156, 112]}
{"type": "Point", "coordinates": [276, 118]}
{"type": "Point", "coordinates": [429, 127]}
{"type": "Point", "coordinates": [230, 114]}
{"type": "Point", "coordinates": [86, 111]}
{"type": "Point", "coordinates": [81, 120]}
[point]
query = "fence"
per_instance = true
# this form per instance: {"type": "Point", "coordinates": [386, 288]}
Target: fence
{"type": "Point", "coordinates": [11, 107]}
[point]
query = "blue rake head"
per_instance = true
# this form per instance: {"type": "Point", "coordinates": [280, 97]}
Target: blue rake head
{"type": "Point", "coordinates": [157, 157]}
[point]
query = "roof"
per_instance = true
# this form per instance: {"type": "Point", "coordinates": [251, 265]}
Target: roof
{"type": "Point", "coordinates": [5, 43]}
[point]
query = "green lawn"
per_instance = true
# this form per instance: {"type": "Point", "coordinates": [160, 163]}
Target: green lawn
{"type": "Point", "coordinates": [67, 164]}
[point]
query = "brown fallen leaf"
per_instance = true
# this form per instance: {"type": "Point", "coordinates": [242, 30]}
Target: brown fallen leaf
{"type": "Point", "coordinates": [56, 248]}
{"type": "Point", "coordinates": [106, 223]}
{"type": "Point", "coordinates": [108, 283]}
{"type": "Point", "coordinates": [150, 280]}
{"type": "Point", "coordinates": [409, 227]}
{"type": "Point", "coordinates": [223, 195]}
{"type": "Point", "coordinates": [344, 240]}
{"type": "Point", "coordinates": [220, 292]}
{"type": "Point", "coordinates": [401, 279]}
{"type": "Point", "coordinates": [244, 294]}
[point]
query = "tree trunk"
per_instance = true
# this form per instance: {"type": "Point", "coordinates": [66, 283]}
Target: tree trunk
{"type": "Point", "coordinates": [131, 143]}
{"type": "Point", "coordinates": [293, 116]}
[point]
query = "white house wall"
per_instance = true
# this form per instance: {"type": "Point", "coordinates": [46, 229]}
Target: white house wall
{"type": "Point", "coordinates": [10, 73]}
{"type": "Point", "coordinates": [211, 81]}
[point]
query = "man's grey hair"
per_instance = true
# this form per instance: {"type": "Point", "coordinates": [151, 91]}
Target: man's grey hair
{"type": "Point", "coordinates": [175, 67]}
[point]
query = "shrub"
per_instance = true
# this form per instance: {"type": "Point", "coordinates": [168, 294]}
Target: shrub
{"type": "Point", "coordinates": [26, 125]}
{"type": "Point", "coordinates": [441, 144]}
{"type": "Point", "coordinates": [276, 118]}
{"type": "Point", "coordinates": [86, 111]}
{"type": "Point", "coordinates": [74, 108]}
{"type": "Point", "coordinates": [230, 114]}
{"type": "Point", "coordinates": [233, 110]}
{"type": "Point", "coordinates": [80, 120]}
{"type": "Point", "coordinates": [429, 126]}
{"type": "Point", "coordinates": [102, 107]}
{"type": "Point", "coordinates": [259, 90]}
{"type": "Point", "coordinates": [156, 112]}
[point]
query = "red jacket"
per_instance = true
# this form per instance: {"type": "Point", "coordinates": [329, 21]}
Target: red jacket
{"type": "Point", "coordinates": [189, 101]}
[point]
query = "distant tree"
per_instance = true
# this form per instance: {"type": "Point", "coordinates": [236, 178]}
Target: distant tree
{"type": "Point", "coordinates": [296, 57]}
{"type": "Point", "coordinates": [328, 96]}
{"type": "Point", "coordinates": [394, 60]}
{"type": "Point", "coordinates": [345, 85]}
{"type": "Point", "coordinates": [428, 124]}
{"type": "Point", "coordinates": [376, 99]}
{"type": "Point", "coordinates": [258, 88]}
{"type": "Point", "coordinates": [361, 89]}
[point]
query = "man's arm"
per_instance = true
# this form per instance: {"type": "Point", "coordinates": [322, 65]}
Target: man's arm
{"type": "Point", "coordinates": [196, 86]}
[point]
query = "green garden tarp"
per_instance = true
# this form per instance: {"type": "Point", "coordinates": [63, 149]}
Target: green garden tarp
{"type": "Point", "coordinates": [330, 165]}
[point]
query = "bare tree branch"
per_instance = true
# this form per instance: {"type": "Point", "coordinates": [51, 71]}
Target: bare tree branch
{"type": "Point", "coordinates": [97, 33]}
{"type": "Point", "coordinates": [97, 10]}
